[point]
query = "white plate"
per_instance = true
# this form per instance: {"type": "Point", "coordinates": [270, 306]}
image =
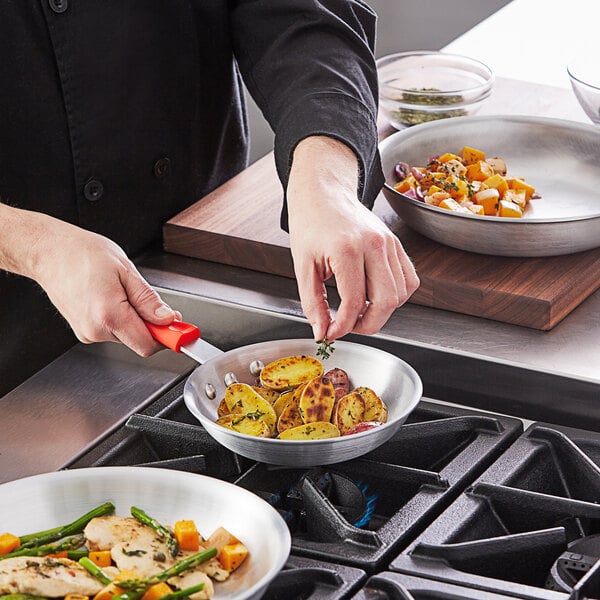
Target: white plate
{"type": "Point", "coordinates": [52, 499]}
{"type": "Point", "coordinates": [559, 158]}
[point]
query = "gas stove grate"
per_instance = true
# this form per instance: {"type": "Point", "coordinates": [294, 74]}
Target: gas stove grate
{"type": "Point", "coordinates": [357, 514]}
{"type": "Point", "coordinates": [529, 526]}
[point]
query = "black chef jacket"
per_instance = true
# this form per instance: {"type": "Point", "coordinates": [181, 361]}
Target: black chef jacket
{"type": "Point", "coordinates": [117, 114]}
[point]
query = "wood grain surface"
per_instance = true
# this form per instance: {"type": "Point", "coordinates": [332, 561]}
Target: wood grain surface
{"type": "Point", "coordinates": [238, 224]}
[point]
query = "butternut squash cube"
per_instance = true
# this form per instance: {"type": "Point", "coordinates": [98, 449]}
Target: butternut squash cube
{"type": "Point", "coordinates": [479, 171]}
{"type": "Point", "coordinates": [186, 534]}
{"type": "Point", "coordinates": [457, 186]}
{"type": "Point", "coordinates": [497, 182]}
{"type": "Point", "coordinates": [232, 556]}
{"type": "Point", "coordinates": [157, 591]}
{"type": "Point", "coordinates": [8, 543]}
{"type": "Point", "coordinates": [101, 558]}
{"type": "Point", "coordinates": [406, 184]}
{"type": "Point", "coordinates": [520, 184]}
{"type": "Point", "coordinates": [488, 198]}
{"type": "Point", "coordinates": [472, 155]}
{"type": "Point", "coordinates": [448, 156]}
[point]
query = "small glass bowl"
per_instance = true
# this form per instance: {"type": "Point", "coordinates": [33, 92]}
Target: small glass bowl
{"type": "Point", "coordinates": [422, 86]}
{"type": "Point", "coordinates": [584, 75]}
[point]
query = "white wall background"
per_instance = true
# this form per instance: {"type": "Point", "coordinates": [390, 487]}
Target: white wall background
{"type": "Point", "coordinates": [402, 25]}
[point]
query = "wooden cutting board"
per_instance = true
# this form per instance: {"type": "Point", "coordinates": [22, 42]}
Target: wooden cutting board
{"type": "Point", "coordinates": [238, 224]}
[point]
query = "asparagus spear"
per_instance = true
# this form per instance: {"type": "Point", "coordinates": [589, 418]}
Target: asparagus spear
{"type": "Point", "coordinates": [92, 568]}
{"type": "Point", "coordinates": [69, 544]}
{"type": "Point", "coordinates": [163, 532]}
{"type": "Point", "coordinates": [185, 593]}
{"type": "Point", "coordinates": [176, 569]}
{"type": "Point", "coordinates": [177, 595]}
{"type": "Point", "coordinates": [51, 535]}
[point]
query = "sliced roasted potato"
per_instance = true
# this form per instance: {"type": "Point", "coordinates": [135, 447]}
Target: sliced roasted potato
{"type": "Point", "coordinates": [319, 430]}
{"type": "Point", "coordinates": [348, 411]}
{"type": "Point", "coordinates": [223, 409]}
{"type": "Point", "coordinates": [244, 424]}
{"type": "Point", "coordinates": [266, 393]}
{"type": "Point", "coordinates": [290, 372]}
{"type": "Point", "coordinates": [375, 409]}
{"type": "Point", "coordinates": [242, 397]}
{"type": "Point", "coordinates": [290, 416]}
{"type": "Point", "coordinates": [282, 401]}
{"type": "Point", "coordinates": [317, 400]}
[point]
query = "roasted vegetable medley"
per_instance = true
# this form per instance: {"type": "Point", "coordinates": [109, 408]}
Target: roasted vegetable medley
{"type": "Point", "coordinates": [467, 183]}
{"type": "Point", "coordinates": [295, 399]}
{"type": "Point", "coordinates": [101, 556]}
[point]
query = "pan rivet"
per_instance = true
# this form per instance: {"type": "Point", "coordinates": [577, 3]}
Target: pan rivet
{"type": "Point", "coordinates": [230, 378]}
{"type": "Point", "coordinates": [209, 390]}
{"type": "Point", "coordinates": [256, 366]}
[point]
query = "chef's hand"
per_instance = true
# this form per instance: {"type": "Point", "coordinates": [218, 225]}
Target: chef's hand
{"type": "Point", "coordinates": [89, 279]}
{"type": "Point", "coordinates": [333, 234]}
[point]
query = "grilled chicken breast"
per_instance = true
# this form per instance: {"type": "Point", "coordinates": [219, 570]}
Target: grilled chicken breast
{"type": "Point", "coordinates": [137, 547]}
{"type": "Point", "coordinates": [191, 578]}
{"type": "Point", "coordinates": [211, 567]}
{"type": "Point", "coordinates": [43, 576]}
{"type": "Point", "coordinates": [134, 546]}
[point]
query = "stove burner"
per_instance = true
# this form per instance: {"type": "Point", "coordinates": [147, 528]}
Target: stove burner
{"type": "Point", "coordinates": [572, 565]}
{"type": "Point", "coordinates": [347, 497]}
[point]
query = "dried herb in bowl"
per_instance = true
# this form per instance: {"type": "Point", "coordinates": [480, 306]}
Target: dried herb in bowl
{"type": "Point", "coordinates": [431, 97]}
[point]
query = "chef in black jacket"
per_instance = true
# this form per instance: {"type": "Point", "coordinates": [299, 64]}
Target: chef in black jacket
{"type": "Point", "coordinates": [117, 114]}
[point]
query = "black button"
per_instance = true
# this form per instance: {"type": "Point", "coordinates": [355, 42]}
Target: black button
{"type": "Point", "coordinates": [162, 167]}
{"type": "Point", "coordinates": [93, 190]}
{"type": "Point", "coordinates": [59, 6]}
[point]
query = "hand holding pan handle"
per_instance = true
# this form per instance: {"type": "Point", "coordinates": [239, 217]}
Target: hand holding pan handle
{"type": "Point", "coordinates": [184, 337]}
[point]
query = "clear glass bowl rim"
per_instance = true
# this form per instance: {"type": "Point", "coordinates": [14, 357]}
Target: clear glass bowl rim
{"type": "Point", "coordinates": [485, 87]}
{"type": "Point", "coordinates": [572, 74]}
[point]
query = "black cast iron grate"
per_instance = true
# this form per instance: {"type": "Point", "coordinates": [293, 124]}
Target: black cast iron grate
{"type": "Point", "coordinates": [528, 527]}
{"type": "Point", "coordinates": [408, 481]}
{"type": "Point", "coordinates": [307, 579]}
{"type": "Point", "coordinates": [397, 586]}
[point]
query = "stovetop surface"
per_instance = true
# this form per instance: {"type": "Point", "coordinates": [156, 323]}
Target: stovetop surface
{"type": "Point", "coordinates": [459, 504]}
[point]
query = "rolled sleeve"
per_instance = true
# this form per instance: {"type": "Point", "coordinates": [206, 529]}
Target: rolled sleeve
{"type": "Point", "coordinates": [309, 65]}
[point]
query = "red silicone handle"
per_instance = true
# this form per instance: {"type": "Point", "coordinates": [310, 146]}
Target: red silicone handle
{"type": "Point", "coordinates": [174, 335]}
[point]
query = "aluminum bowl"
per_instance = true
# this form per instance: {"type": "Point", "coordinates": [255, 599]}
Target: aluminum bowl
{"type": "Point", "coordinates": [396, 383]}
{"type": "Point", "coordinates": [43, 501]}
{"type": "Point", "coordinates": [560, 158]}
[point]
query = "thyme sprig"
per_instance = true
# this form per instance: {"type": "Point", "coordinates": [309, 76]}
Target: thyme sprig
{"type": "Point", "coordinates": [325, 348]}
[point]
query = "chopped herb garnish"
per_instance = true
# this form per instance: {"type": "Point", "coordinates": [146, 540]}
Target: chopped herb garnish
{"type": "Point", "coordinates": [325, 348]}
{"type": "Point", "coordinates": [133, 552]}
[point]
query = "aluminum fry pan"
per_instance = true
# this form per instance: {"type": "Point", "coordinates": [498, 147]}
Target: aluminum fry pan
{"type": "Point", "coordinates": [51, 499]}
{"type": "Point", "coordinates": [395, 381]}
{"type": "Point", "coordinates": [560, 158]}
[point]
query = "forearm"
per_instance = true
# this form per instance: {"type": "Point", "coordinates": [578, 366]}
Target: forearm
{"type": "Point", "coordinates": [21, 235]}
{"type": "Point", "coordinates": [320, 165]}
